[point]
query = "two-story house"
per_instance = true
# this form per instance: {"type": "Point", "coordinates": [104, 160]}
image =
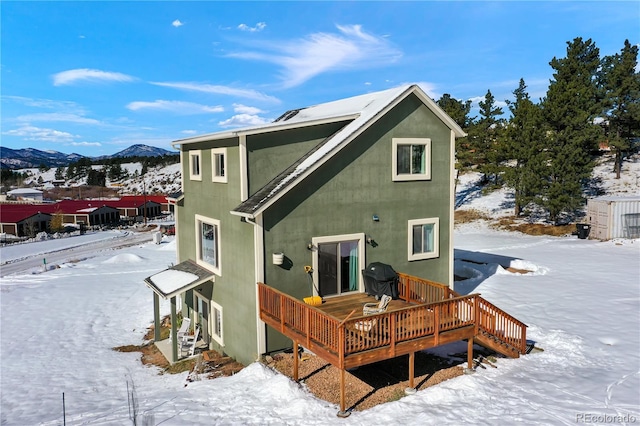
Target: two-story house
{"type": "Point", "coordinates": [334, 186]}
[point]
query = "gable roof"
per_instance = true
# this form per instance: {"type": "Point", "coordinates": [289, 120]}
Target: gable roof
{"type": "Point", "coordinates": [365, 110]}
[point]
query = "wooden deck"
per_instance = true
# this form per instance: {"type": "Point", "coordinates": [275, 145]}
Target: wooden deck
{"type": "Point", "coordinates": [428, 314]}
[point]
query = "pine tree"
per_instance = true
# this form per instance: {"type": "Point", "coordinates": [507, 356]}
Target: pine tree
{"type": "Point", "coordinates": [488, 130]}
{"type": "Point", "coordinates": [59, 175]}
{"type": "Point", "coordinates": [523, 145]}
{"type": "Point", "coordinates": [620, 83]}
{"type": "Point", "coordinates": [459, 112]}
{"type": "Point", "coordinates": [570, 107]}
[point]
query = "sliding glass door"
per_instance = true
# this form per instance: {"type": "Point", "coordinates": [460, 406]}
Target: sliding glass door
{"type": "Point", "coordinates": [338, 264]}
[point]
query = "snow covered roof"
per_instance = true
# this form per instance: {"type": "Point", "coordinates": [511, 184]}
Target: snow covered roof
{"type": "Point", "coordinates": [23, 191]}
{"type": "Point", "coordinates": [178, 279]}
{"type": "Point", "coordinates": [363, 111]}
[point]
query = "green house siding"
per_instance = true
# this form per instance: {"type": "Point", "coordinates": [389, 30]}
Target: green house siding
{"type": "Point", "coordinates": [235, 289]}
{"type": "Point", "coordinates": [268, 154]}
{"type": "Point", "coordinates": [342, 196]}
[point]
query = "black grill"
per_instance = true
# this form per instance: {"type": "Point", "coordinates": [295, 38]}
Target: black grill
{"type": "Point", "coordinates": [379, 279]}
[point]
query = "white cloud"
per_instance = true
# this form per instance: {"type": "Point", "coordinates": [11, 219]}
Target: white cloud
{"type": "Point", "coordinates": [219, 90]}
{"type": "Point", "coordinates": [59, 106]}
{"type": "Point", "coordinates": [496, 103]}
{"type": "Point", "coordinates": [85, 74]}
{"type": "Point", "coordinates": [58, 117]}
{"type": "Point", "coordinates": [180, 107]}
{"type": "Point", "coordinates": [241, 120]}
{"type": "Point", "coordinates": [301, 60]}
{"type": "Point", "coordinates": [429, 89]}
{"type": "Point", "coordinates": [244, 109]}
{"type": "Point", "coordinates": [177, 23]}
{"type": "Point", "coordinates": [259, 27]}
{"type": "Point", "coordinates": [189, 132]}
{"type": "Point", "coordinates": [85, 144]}
{"type": "Point", "coordinates": [33, 133]}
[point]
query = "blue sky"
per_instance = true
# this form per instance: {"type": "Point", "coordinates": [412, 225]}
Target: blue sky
{"type": "Point", "coordinates": [96, 77]}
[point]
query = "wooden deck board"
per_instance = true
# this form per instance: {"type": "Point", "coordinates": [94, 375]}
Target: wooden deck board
{"type": "Point", "coordinates": [340, 307]}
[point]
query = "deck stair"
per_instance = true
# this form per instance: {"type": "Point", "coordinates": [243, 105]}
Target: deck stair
{"type": "Point", "coordinates": [491, 341]}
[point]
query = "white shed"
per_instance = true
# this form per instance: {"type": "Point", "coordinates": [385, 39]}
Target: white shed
{"type": "Point", "coordinates": [25, 194]}
{"type": "Point", "coordinates": [614, 217]}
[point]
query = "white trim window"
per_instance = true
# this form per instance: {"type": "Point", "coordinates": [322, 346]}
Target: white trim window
{"type": "Point", "coordinates": [219, 165]}
{"type": "Point", "coordinates": [208, 253]}
{"type": "Point", "coordinates": [337, 262]}
{"type": "Point", "coordinates": [195, 165]}
{"type": "Point", "coordinates": [411, 159]}
{"type": "Point", "coordinates": [423, 238]}
{"type": "Point", "coordinates": [216, 323]}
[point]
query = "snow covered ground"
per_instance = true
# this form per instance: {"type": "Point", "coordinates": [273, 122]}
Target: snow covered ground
{"type": "Point", "coordinates": [582, 305]}
{"type": "Point", "coordinates": [581, 302]}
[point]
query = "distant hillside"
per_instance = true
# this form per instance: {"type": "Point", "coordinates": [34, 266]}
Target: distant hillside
{"type": "Point", "coordinates": [30, 157]}
{"type": "Point", "coordinates": [140, 150]}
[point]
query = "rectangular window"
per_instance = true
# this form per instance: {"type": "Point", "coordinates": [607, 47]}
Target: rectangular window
{"type": "Point", "coordinates": [217, 329]}
{"type": "Point", "coordinates": [423, 239]}
{"type": "Point", "coordinates": [208, 243]}
{"type": "Point", "coordinates": [194, 165]}
{"type": "Point", "coordinates": [411, 159]}
{"type": "Point", "coordinates": [219, 165]}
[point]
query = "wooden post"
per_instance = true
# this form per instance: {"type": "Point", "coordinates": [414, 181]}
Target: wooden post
{"type": "Point", "coordinates": [470, 353]}
{"type": "Point", "coordinates": [295, 361]}
{"type": "Point", "coordinates": [156, 317]}
{"type": "Point", "coordinates": [174, 332]}
{"type": "Point", "coordinates": [342, 412]}
{"type": "Point", "coordinates": [412, 357]}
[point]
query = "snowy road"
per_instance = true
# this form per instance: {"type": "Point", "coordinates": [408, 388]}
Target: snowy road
{"type": "Point", "coordinates": [22, 258]}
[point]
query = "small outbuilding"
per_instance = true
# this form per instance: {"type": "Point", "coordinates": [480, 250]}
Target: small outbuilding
{"type": "Point", "coordinates": [27, 194]}
{"type": "Point", "coordinates": [614, 217]}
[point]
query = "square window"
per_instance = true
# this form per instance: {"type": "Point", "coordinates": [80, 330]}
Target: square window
{"type": "Point", "coordinates": [208, 243]}
{"type": "Point", "coordinates": [423, 239]}
{"type": "Point", "coordinates": [411, 159]}
{"type": "Point", "coordinates": [194, 165]}
{"type": "Point", "coordinates": [219, 165]}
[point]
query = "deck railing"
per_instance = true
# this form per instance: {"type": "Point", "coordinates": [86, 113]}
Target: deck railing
{"type": "Point", "coordinates": [501, 325]}
{"type": "Point", "coordinates": [419, 290]}
{"type": "Point", "coordinates": [438, 309]}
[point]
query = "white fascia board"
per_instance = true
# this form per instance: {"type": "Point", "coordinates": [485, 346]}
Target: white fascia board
{"type": "Point", "coordinates": [297, 125]}
{"type": "Point", "coordinates": [265, 129]}
{"type": "Point", "coordinates": [242, 214]}
{"type": "Point", "coordinates": [439, 112]}
{"type": "Point", "coordinates": [203, 138]}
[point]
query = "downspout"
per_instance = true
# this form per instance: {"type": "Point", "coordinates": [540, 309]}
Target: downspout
{"type": "Point", "coordinates": [258, 247]}
{"type": "Point", "coordinates": [452, 205]}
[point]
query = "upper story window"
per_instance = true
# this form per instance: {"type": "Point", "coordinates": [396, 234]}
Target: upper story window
{"type": "Point", "coordinates": [219, 165]}
{"type": "Point", "coordinates": [423, 238]}
{"type": "Point", "coordinates": [208, 243]}
{"type": "Point", "coordinates": [411, 159]}
{"type": "Point", "coordinates": [195, 165]}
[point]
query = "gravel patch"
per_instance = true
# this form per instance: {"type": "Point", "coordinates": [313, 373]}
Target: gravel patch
{"type": "Point", "coordinates": [369, 385]}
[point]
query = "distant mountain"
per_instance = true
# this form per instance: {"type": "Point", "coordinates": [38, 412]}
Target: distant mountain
{"type": "Point", "coordinates": [140, 150]}
{"type": "Point", "coordinates": [30, 157]}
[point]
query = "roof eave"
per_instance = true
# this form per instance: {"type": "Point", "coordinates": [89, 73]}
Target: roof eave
{"type": "Point", "coordinates": [265, 129]}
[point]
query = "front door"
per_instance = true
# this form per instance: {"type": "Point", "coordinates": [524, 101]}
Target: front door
{"type": "Point", "coordinates": [338, 264]}
{"type": "Point", "coordinates": [203, 318]}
